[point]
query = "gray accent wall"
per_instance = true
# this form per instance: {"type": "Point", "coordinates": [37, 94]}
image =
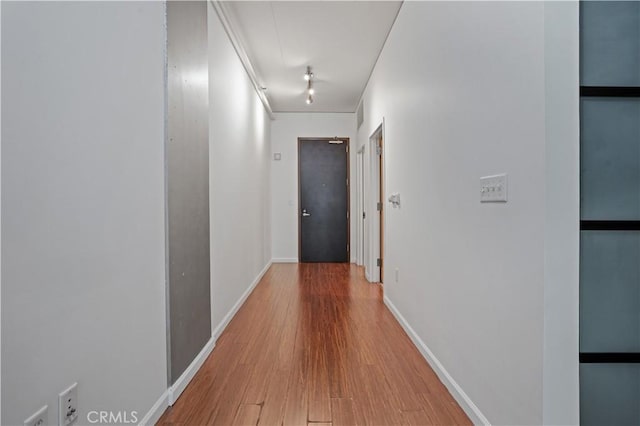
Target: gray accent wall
{"type": "Point", "coordinates": [187, 184]}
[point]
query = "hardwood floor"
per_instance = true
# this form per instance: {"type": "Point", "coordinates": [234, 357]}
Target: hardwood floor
{"type": "Point", "coordinates": [314, 344]}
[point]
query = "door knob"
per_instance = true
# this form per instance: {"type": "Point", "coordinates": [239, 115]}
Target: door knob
{"type": "Point", "coordinates": [305, 214]}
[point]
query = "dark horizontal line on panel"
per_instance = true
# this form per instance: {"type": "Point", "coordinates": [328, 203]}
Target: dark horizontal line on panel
{"type": "Point", "coordinates": [610, 357]}
{"type": "Point", "coordinates": [610, 225]}
{"type": "Point", "coordinates": [611, 91]}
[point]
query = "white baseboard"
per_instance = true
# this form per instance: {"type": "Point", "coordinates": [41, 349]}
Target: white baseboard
{"type": "Point", "coordinates": [227, 318]}
{"type": "Point", "coordinates": [180, 385]}
{"type": "Point", "coordinates": [456, 391]}
{"type": "Point", "coordinates": [152, 417]}
{"type": "Point", "coordinates": [171, 395]}
{"type": "Point", "coordinates": [285, 260]}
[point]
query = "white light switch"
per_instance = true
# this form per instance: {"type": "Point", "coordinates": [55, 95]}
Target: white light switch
{"type": "Point", "coordinates": [493, 189]}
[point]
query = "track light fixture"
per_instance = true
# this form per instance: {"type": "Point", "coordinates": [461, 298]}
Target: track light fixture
{"type": "Point", "coordinates": [308, 76]}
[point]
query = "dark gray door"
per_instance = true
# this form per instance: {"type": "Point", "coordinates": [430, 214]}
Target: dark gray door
{"type": "Point", "coordinates": [324, 206]}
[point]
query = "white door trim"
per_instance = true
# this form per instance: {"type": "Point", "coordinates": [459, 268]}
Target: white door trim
{"type": "Point", "coordinates": [372, 225]}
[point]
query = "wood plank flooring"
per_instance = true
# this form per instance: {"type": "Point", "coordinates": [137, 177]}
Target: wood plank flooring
{"type": "Point", "coordinates": [315, 345]}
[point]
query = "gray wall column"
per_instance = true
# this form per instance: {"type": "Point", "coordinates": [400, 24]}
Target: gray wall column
{"type": "Point", "coordinates": [187, 184]}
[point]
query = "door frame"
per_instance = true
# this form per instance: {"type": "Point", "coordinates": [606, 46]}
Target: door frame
{"type": "Point", "coordinates": [299, 212]}
{"type": "Point", "coordinates": [376, 191]}
{"type": "Point", "coordinates": [360, 206]}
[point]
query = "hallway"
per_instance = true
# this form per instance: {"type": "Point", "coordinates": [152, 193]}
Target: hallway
{"type": "Point", "coordinates": [151, 194]}
{"type": "Point", "coordinates": [315, 344]}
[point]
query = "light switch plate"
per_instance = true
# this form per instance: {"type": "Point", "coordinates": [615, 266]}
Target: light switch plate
{"type": "Point", "coordinates": [277, 156]}
{"type": "Point", "coordinates": [493, 189]}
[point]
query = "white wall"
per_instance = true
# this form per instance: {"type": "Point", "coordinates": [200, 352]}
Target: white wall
{"type": "Point", "coordinates": [461, 86]}
{"type": "Point", "coordinates": [83, 279]}
{"type": "Point", "coordinates": [0, 220]}
{"type": "Point", "coordinates": [285, 130]}
{"type": "Point", "coordinates": [239, 171]}
{"type": "Point", "coordinates": [562, 215]}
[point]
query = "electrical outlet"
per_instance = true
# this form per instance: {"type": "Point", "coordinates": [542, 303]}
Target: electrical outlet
{"type": "Point", "coordinates": [68, 405]}
{"type": "Point", "coordinates": [39, 418]}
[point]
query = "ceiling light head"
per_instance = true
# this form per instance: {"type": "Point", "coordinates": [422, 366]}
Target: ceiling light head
{"type": "Point", "coordinates": [311, 91]}
{"type": "Point", "coordinates": [309, 100]}
{"type": "Point", "coordinates": [308, 75]}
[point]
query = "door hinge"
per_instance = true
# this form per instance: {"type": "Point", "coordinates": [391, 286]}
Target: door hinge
{"type": "Point", "coordinates": [347, 215]}
{"type": "Point", "coordinates": [364, 215]}
{"type": "Point", "coordinates": [347, 181]}
{"type": "Point", "coordinates": [378, 150]}
{"type": "Point", "coordinates": [379, 207]}
{"type": "Point", "coordinates": [347, 148]}
{"type": "Point", "coordinates": [347, 247]}
{"type": "Point", "coordinates": [378, 262]}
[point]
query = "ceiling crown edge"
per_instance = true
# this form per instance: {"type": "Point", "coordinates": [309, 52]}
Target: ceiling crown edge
{"type": "Point", "coordinates": [223, 15]}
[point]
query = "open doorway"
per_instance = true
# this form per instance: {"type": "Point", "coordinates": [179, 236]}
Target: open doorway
{"type": "Point", "coordinates": [375, 227]}
{"type": "Point", "coordinates": [361, 207]}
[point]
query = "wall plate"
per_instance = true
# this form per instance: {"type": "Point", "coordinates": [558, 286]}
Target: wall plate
{"type": "Point", "coordinates": [493, 189]}
{"type": "Point", "coordinates": [39, 418]}
{"type": "Point", "coordinates": [68, 405]}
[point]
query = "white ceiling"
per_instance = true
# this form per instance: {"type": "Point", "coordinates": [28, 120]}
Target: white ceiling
{"type": "Point", "coordinates": [340, 40]}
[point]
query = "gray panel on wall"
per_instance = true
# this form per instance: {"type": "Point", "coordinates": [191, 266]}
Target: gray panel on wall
{"type": "Point", "coordinates": [610, 394]}
{"type": "Point", "coordinates": [610, 158]}
{"type": "Point", "coordinates": [610, 294]}
{"type": "Point", "coordinates": [188, 183]}
{"type": "Point", "coordinates": [610, 43]}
